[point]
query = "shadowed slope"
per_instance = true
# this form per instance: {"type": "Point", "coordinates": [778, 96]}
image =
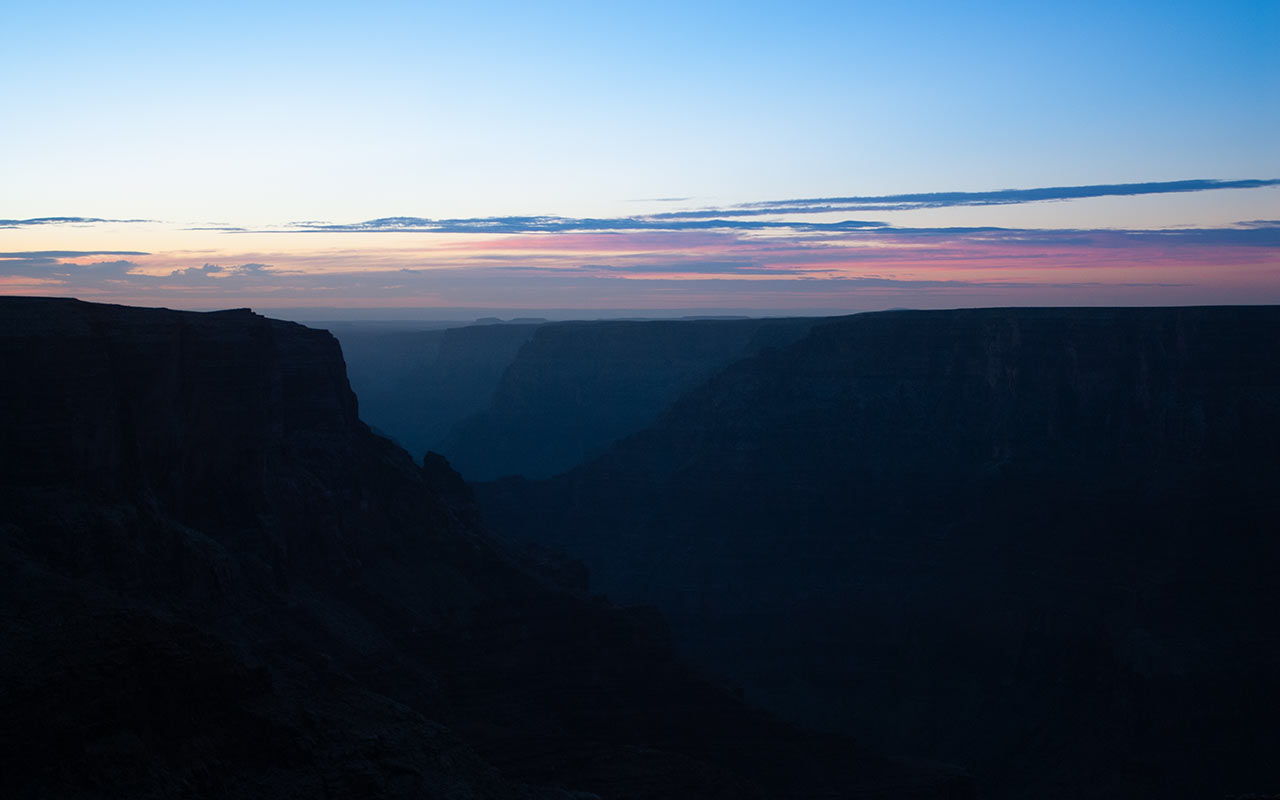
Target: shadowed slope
{"type": "Point", "coordinates": [1038, 542]}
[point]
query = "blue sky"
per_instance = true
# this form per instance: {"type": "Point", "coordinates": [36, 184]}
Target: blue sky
{"type": "Point", "coordinates": [260, 115]}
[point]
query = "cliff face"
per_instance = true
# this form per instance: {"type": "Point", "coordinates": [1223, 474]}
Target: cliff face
{"type": "Point", "coordinates": [415, 386]}
{"type": "Point", "coordinates": [576, 387]}
{"type": "Point", "coordinates": [208, 416]}
{"type": "Point", "coordinates": [216, 581]}
{"type": "Point", "coordinates": [1027, 540]}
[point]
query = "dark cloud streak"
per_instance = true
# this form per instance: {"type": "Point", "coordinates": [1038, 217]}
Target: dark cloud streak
{"type": "Point", "coordinates": [23, 223]}
{"type": "Point", "coordinates": [910, 202]}
{"type": "Point", "coordinates": [1257, 233]}
{"type": "Point", "coordinates": [551, 224]}
{"type": "Point", "coordinates": [742, 217]}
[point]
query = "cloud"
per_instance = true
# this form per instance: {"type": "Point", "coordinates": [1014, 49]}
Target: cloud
{"type": "Point", "coordinates": [900, 283]}
{"type": "Point", "coordinates": [49, 265]}
{"type": "Point", "coordinates": [57, 254]}
{"type": "Point", "coordinates": [18, 223]}
{"type": "Point", "coordinates": [554, 224]}
{"type": "Point", "coordinates": [675, 259]}
{"type": "Point", "coordinates": [740, 217]}
{"type": "Point", "coordinates": [744, 217]}
{"type": "Point", "coordinates": [196, 272]}
{"type": "Point", "coordinates": [1248, 235]}
{"type": "Point", "coordinates": [937, 269]}
{"type": "Point", "coordinates": [22, 223]}
{"type": "Point", "coordinates": [690, 268]}
{"type": "Point", "coordinates": [206, 272]}
{"type": "Point", "coordinates": [909, 202]}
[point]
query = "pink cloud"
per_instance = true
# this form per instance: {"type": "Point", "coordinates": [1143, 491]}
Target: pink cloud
{"type": "Point", "coordinates": [686, 268]}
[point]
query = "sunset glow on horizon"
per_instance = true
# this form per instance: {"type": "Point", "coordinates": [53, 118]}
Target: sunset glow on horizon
{"type": "Point", "coordinates": [813, 157]}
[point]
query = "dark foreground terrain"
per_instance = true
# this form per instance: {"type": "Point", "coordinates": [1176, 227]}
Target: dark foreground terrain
{"type": "Point", "coordinates": [215, 581]}
{"type": "Point", "coordinates": [1041, 543]}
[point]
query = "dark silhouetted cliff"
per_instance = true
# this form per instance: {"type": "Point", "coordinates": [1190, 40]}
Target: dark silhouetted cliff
{"type": "Point", "coordinates": [1037, 542]}
{"type": "Point", "coordinates": [576, 387]}
{"type": "Point", "coordinates": [215, 581]}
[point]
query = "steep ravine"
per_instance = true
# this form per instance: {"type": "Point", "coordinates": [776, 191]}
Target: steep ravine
{"type": "Point", "coordinates": [576, 387]}
{"type": "Point", "coordinates": [415, 386]}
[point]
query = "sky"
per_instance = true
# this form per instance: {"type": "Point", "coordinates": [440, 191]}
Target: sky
{"type": "Point", "coordinates": [772, 157]}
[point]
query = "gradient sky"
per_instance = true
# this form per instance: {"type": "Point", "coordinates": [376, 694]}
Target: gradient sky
{"type": "Point", "coordinates": [603, 156]}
